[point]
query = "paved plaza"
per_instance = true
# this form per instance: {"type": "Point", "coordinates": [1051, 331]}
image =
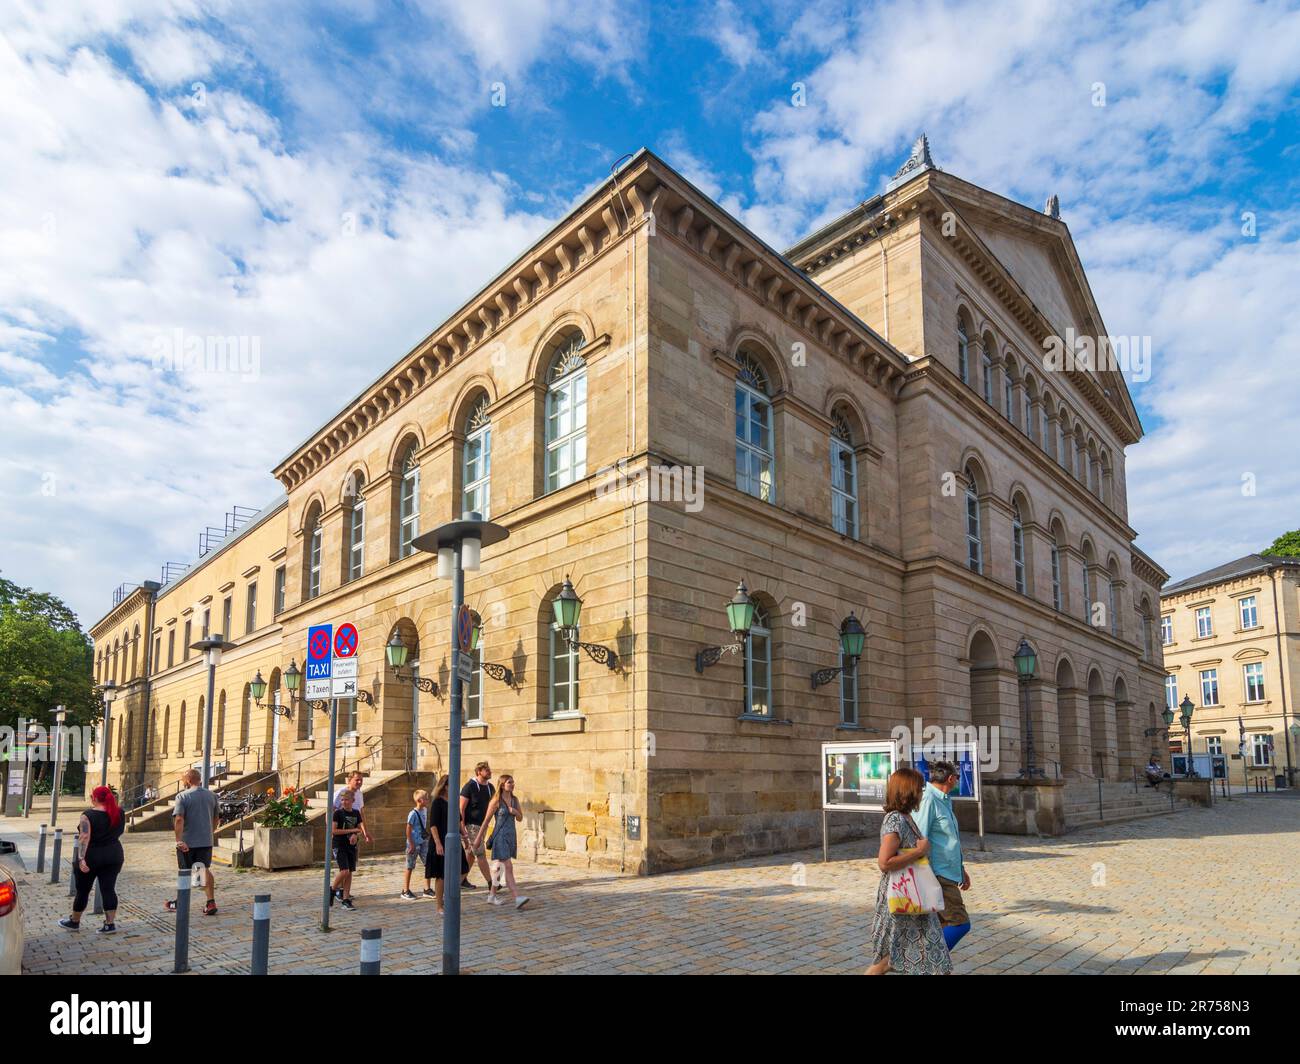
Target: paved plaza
{"type": "Point", "coordinates": [1199, 891]}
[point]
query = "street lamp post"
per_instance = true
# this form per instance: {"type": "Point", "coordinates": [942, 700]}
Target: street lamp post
{"type": "Point", "coordinates": [457, 545]}
{"type": "Point", "coordinates": [107, 690]}
{"type": "Point", "coordinates": [212, 648]}
{"type": "Point", "coordinates": [1186, 706]}
{"type": "Point", "coordinates": [60, 715]}
{"type": "Point", "coordinates": [1026, 665]}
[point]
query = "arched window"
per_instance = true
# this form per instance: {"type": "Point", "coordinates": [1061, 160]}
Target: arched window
{"type": "Point", "coordinates": [844, 479]}
{"type": "Point", "coordinates": [1018, 547]}
{"type": "Point", "coordinates": [1009, 390]}
{"type": "Point", "coordinates": [180, 731]}
{"type": "Point", "coordinates": [1112, 596]}
{"type": "Point", "coordinates": [313, 553]}
{"type": "Point", "coordinates": [566, 415]}
{"type": "Point", "coordinates": [754, 448]}
{"type": "Point", "coordinates": [564, 669]}
{"type": "Point", "coordinates": [848, 689]}
{"type": "Point", "coordinates": [355, 555]}
{"type": "Point", "coordinates": [963, 351]}
{"type": "Point", "coordinates": [1046, 436]}
{"type": "Point", "coordinates": [219, 727]}
{"type": "Point", "coordinates": [986, 368]}
{"type": "Point", "coordinates": [1063, 442]}
{"type": "Point", "coordinates": [758, 665]}
{"type": "Point", "coordinates": [408, 501]}
{"type": "Point", "coordinates": [974, 538]}
{"type": "Point", "coordinates": [476, 464]}
{"type": "Point", "coordinates": [1057, 599]}
{"type": "Point", "coordinates": [167, 731]}
{"type": "Point", "coordinates": [246, 717]}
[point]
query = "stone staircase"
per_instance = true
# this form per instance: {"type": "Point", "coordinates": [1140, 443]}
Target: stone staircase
{"type": "Point", "coordinates": [1119, 802]}
{"type": "Point", "coordinates": [156, 815]}
{"type": "Point", "coordinates": [229, 852]}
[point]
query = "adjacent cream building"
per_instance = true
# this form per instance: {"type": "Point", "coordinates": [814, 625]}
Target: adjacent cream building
{"type": "Point", "coordinates": [1231, 640]}
{"type": "Point", "coordinates": [658, 405]}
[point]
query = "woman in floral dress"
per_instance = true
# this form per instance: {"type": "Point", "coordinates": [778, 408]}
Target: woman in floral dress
{"type": "Point", "coordinates": [910, 945]}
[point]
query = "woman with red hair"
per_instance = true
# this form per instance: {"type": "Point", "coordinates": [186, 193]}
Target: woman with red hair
{"type": "Point", "coordinates": [98, 834]}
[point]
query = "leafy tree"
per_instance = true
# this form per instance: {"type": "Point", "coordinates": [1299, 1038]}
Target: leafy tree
{"type": "Point", "coordinates": [1287, 545]}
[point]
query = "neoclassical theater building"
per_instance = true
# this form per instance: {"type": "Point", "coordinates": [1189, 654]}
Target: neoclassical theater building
{"type": "Point", "coordinates": [657, 405]}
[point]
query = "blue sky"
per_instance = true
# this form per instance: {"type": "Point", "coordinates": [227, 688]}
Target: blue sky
{"type": "Point", "coordinates": [332, 178]}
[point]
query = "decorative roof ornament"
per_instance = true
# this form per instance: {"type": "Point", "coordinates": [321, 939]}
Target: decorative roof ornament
{"type": "Point", "coordinates": [919, 160]}
{"type": "Point", "coordinates": [751, 372]}
{"type": "Point", "coordinates": [569, 357]}
{"type": "Point", "coordinates": [478, 417]}
{"type": "Point", "coordinates": [1053, 207]}
{"type": "Point", "coordinates": [840, 427]}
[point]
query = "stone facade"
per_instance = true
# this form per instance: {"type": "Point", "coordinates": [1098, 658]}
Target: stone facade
{"type": "Point", "coordinates": [681, 314]}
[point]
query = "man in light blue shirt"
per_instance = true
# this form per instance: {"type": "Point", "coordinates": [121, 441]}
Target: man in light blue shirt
{"type": "Point", "coordinates": [938, 823]}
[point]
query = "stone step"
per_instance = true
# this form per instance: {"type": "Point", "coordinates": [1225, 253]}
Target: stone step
{"type": "Point", "coordinates": [1072, 824]}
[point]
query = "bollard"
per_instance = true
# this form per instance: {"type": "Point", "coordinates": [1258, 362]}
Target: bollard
{"type": "Point", "coordinates": [261, 933]}
{"type": "Point", "coordinates": [58, 849]}
{"type": "Point", "coordinates": [182, 964]}
{"type": "Point", "coordinates": [72, 869]}
{"type": "Point", "coordinates": [40, 851]}
{"type": "Point", "coordinates": [99, 900]}
{"type": "Point", "coordinates": [371, 940]}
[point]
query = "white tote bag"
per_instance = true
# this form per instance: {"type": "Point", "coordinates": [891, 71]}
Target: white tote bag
{"type": "Point", "coordinates": [914, 889]}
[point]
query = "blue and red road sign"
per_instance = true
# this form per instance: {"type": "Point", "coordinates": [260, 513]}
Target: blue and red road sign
{"type": "Point", "coordinates": [345, 641]}
{"type": "Point", "coordinates": [319, 644]}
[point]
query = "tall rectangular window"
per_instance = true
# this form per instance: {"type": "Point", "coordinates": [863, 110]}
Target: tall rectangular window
{"type": "Point", "coordinates": [1214, 745]}
{"type": "Point", "coordinates": [754, 444]}
{"type": "Point", "coordinates": [844, 489]}
{"type": "Point", "coordinates": [1249, 612]}
{"type": "Point", "coordinates": [157, 654]}
{"type": "Point", "coordinates": [1209, 687]}
{"type": "Point", "coordinates": [1056, 576]}
{"type": "Point", "coordinates": [207, 623]}
{"type": "Point", "coordinates": [1261, 749]}
{"type": "Point", "coordinates": [280, 584]}
{"type": "Point", "coordinates": [988, 380]}
{"type": "Point", "coordinates": [476, 474]}
{"type": "Point", "coordinates": [1204, 625]}
{"type": "Point", "coordinates": [250, 610]}
{"type": "Point", "coordinates": [474, 690]}
{"type": "Point", "coordinates": [313, 563]}
{"type": "Point", "coordinates": [848, 690]}
{"type": "Point", "coordinates": [189, 638]}
{"type": "Point", "coordinates": [1171, 693]}
{"type": "Point", "coordinates": [227, 616]}
{"type": "Point", "coordinates": [356, 539]}
{"type": "Point", "coordinates": [1166, 630]}
{"type": "Point", "coordinates": [171, 648]}
{"type": "Point", "coordinates": [1254, 676]}
{"type": "Point", "coordinates": [564, 675]}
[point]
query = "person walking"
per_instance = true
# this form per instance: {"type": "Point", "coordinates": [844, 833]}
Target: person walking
{"type": "Point", "coordinates": [435, 860]}
{"type": "Point", "coordinates": [474, 799]}
{"type": "Point", "coordinates": [937, 821]}
{"type": "Point", "coordinates": [417, 844]}
{"type": "Point", "coordinates": [912, 945]}
{"type": "Point", "coordinates": [347, 825]}
{"type": "Point", "coordinates": [502, 812]}
{"type": "Point", "coordinates": [194, 817]}
{"type": "Point", "coordinates": [99, 832]}
{"type": "Point", "coordinates": [358, 801]}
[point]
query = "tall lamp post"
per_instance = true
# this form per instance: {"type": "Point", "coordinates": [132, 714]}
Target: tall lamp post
{"type": "Point", "coordinates": [457, 545]}
{"type": "Point", "coordinates": [1186, 706]}
{"type": "Point", "coordinates": [212, 648]}
{"type": "Point", "coordinates": [60, 715]}
{"type": "Point", "coordinates": [1026, 665]}
{"type": "Point", "coordinates": [107, 691]}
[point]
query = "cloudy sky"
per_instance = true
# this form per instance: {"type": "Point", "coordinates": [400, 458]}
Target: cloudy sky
{"type": "Point", "coordinates": [329, 179]}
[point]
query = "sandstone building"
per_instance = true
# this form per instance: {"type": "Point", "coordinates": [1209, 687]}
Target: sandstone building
{"type": "Point", "coordinates": [1231, 642]}
{"type": "Point", "coordinates": [873, 430]}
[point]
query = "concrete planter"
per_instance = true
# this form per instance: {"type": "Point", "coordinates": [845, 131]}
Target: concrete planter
{"type": "Point", "coordinates": [275, 848]}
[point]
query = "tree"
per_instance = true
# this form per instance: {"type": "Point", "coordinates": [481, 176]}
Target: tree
{"type": "Point", "coordinates": [1287, 545]}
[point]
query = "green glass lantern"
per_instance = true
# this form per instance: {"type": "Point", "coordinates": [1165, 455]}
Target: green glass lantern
{"type": "Point", "coordinates": [567, 606]}
{"type": "Point", "coordinates": [1168, 716]}
{"type": "Point", "coordinates": [292, 677]}
{"type": "Point", "coordinates": [1187, 708]}
{"type": "Point", "coordinates": [396, 651]}
{"type": "Point", "coordinates": [258, 687]}
{"type": "Point", "coordinates": [1026, 660]}
{"type": "Point", "coordinates": [740, 612]}
{"type": "Point", "coordinates": [852, 637]}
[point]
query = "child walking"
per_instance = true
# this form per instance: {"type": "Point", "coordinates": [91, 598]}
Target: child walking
{"type": "Point", "coordinates": [503, 811]}
{"type": "Point", "coordinates": [347, 825]}
{"type": "Point", "coordinates": [417, 844]}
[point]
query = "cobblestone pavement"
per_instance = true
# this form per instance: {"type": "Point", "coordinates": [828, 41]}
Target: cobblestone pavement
{"type": "Point", "coordinates": [1206, 890]}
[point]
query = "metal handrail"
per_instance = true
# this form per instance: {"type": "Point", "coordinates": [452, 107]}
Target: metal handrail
{"type": "Point", "coordinates": [134, 798]}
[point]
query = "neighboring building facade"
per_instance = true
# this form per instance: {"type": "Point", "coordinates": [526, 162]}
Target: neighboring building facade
{"type": "Point", "coordinates": [870, 427]}
{"type": "Point", "coordinates": [1231, 640]}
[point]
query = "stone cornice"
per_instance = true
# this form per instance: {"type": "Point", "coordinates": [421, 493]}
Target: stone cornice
{"type": "Point", "coordinates": [138, 597]}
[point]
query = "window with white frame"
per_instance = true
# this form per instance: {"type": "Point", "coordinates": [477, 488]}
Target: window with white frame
{"type": "Point", "coordinates": [1114, 613]}
{"type": "Point", "coordinates": [848, 690]}
{"type": "Point", "coordinates": [844, 480]}
{"type": "Point", "coordinates": [566, 415]}
{"type": "Point", "coordinates": [1056, 575]}
{"type": "Point", "coordinates": [1018, 547]}
{"type": "Point", "coordinates": [250, 607]}
{"type": "Point", "coordinates": [1046, 434]}
{"type": "Point", "coordinates": [754, 437]}
{"type": "Point", "coordinates": [356, 528]}
{"type": "Point", "coordinates": [1214, 745]}
{"type": "Point", "coordinates": [1009, 395]}
{"type": "Point", "coordinates": [1204, 625]}
{"type": "Point", "coordinates": [963, 352]}
{"type": "Point", "coordinates": [987, 363]}
{"type": "Point", "coordinates": [474, 689]}
{"type": "Point", "coordinates": [313, 560]}
{"type": "Point", "coordinates": [1249, 612]}
{"type": "Point", "coordinates": [408, 503]}
{"type": "Point", "coordinates": [1254, 677]}
{"type": "Point", "coordinates": [1171, 693]}
{"type": "Point", "coordinates": [974, 540]}
{"type": "Point", "coordinates": [476, 464]}
{"type": "Point", "coordinates": [1209, 687]}
{"type": "Point", "coordinates": [564, 673]}
{"type": "Point", "coordinates": [281, 584]}
{"type": "Point", "coordinates": [1086, 592]}
{"type": "Point", "coordinates": [1261, 749]}
{"type": "Point", "coordinates": [758, 666]}
{"type": "Point", "coordinates": [1166, 630]}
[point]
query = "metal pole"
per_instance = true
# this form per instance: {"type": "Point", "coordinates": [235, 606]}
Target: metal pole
{"type": "Point", "coordinates": [372, 939]}
{"type": "Point", "coordinates": [261, 933]}
{"type": "Point", "coordinates": [58, 850]}
{"type": "Point", "coordinates": [29, 780]}
{"type": "Point", "coordinates": [329, 816]}
{"type": "Point", "coordinates": [72, 869]}
{"type": "Point", "coordinates": [58, 767]}
{"type": "Point", "coordinates": [40, 850]}
{"type": "Point", "coordinates": [979, 809]}
{"type": "Point", "coordinates": [99, 899]}
{"type": "Point", "coordinates": [103, 754]}
{"type": "Point", "coordinates": [451, 871]}
{"type": "Point", "coordinates": [826, 845]}
{"type": "Point", "coordinates": [182, 955]}
{"type": "Point", "coordinates": [207, 726]}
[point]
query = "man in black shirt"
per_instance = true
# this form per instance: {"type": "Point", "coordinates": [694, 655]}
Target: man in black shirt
{"type": "Point", "coordinates": [474, 799]}
{"type": "Point", "coordinates": [347, 826]}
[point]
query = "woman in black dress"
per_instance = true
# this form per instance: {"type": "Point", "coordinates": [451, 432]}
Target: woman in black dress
{"type": "Point", "coordinates": [98, 833]}
{"type": "Point", "coordinates": [435, 859]}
